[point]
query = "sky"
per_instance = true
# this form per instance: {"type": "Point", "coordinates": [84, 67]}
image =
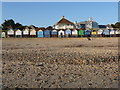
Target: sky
{"type": "Point", "coordinates": [43, 14]}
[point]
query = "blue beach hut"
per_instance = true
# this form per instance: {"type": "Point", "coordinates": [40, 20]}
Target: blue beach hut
{"type": "Point", "coordinates": [40, 33]}
{"type": "Point", "coordinates": [47, 33]}
{"type": "Point", "coordinates": [87, 33]}
{"type": "Point", "coordinates": [106, 33]}
{"type": "Point", "coordinates": [54, 33]}
{"type": "Point", "coordinates": [68, 33]}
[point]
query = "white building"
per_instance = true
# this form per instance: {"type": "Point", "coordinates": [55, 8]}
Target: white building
{"type": "Point", "coordinates": [88, 24]}
{"type": "Point", "coordinates": [64, 24]}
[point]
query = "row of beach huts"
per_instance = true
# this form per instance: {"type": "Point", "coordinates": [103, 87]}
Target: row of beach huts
{"type": "Point", "coordinates": [60, 33]}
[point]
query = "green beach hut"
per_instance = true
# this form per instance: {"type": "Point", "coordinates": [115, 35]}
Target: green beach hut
{"type": "Point", "coordinates": [81, 33]}
{"type": "Point", "coordinates": [3, 34]}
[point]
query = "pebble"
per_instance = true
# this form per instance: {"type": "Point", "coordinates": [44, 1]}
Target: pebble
{"type": "Point", "coordinates": [60, 63]}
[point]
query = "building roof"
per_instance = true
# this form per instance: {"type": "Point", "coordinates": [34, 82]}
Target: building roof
{"type": "Point", "coordinates": [64, 21]}
{"type": "Point", "coordinates": [83, 22]}
{"type": "Point", "coordinates": [41, 28]}
{"type": "Point", "coordinates": [102, 26]}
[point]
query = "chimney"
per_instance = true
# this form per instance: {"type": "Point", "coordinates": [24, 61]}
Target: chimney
{"type": "Point", "coordinates": [90, 19]}
{"type": "Point", "coordinates": [63, 16]}
{"type": "Point", "coordinates": [75, 22]}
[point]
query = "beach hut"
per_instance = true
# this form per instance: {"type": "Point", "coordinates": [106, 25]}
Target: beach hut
{"type": "Point", "coordinates": [68, 33]}
{"type": "Point", "coordinates": [106, 33]}
{"type": "Point", "coordinates": [32, 33]}
{"type": "Point", "coordinates": [47, 33]}
{"type": "Point", "coordinates": [117, 32]}
{"type": "Point", "coordinates": [10, 33]}
{"type": "Point", "coordinates": [100, 33]}
{"type": "Point", "coordinates": [3, 34]}
{"type": "Point", "coordinates": [18, 33]}
{"type": "Point", "coordinates": [54, 33]}
{"type": "Point", "coordinates": [87, 33]}
{"type": "Point", "coordinates": [112, 33]}
{"type": "Point", "coordinates": [81, 33]}
{"type": "Point", "coordinates": [94, 33]}
{"type": "Point", "coordinates": [61, 33]}
{"type": "Point", "coordinates": [26, 33]}
{"type": "Point", "coordinates": [40, 34]}
{"type": "Point", "coordinates": [74, 33]}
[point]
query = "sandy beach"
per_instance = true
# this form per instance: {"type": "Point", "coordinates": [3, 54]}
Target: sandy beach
{"type": "Point", "coordinates": [60, 63]}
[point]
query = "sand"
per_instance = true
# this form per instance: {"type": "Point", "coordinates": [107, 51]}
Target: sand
{"type": "Point", "coordinates": [60, 63]}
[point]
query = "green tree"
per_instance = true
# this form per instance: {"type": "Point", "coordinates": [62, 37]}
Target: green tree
{"type": "Point", "coordinates": [21, 27]}
{"type": "Point", "coordinates": [17, 25]}
{"type": "Point", "coordinates": [49, 28]}
{"type": "Point", "coordinates": [8, 24]}
{"type": "Point", "coordinates": [117, 25]}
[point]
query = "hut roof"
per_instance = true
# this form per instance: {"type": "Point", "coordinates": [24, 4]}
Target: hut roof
{"type": "Point", "coordinates": [64, 21]}
{"type": "Point", "coordinates": [41, 28]}
{"type": "Point", "coordinates": [102, 26]}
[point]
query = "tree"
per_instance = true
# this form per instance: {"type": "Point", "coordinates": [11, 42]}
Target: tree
{"type": "Point", "coordinates": [21, 27]}
{"type": "Point", "coordinates": [17, 25]}
{"type": "Point", "coordinates": [8, 24]}
{"type": "Point", "coordinates": [113, 25]}
{"type": "Point", "coordinates": [49, 28]}
{"type": "Point", "coordinates": [117, 25]}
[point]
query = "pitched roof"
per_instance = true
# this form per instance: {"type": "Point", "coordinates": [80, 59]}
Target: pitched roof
{"type": "Point", "coordinates": [64, 21]}
{"type": "Point", "coordinates": [83, 22]}
{"type": "Point", "coordinates": [102, 26]}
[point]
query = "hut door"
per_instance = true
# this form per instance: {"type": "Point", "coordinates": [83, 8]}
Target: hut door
{"type": "Point", "coordinates": [61, 34]}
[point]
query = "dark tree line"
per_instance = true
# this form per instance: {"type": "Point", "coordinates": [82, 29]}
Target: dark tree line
{"type": "Point", "coordinates": [116, 25]}
{"type": "Point", "coordinates": [10, 24]}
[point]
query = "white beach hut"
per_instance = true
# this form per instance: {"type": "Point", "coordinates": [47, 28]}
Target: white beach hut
{"type": "Point", "coordinates": [99, 33]}
{"type": "Point", "coordinates": [32, 33]}
{"type": "Point", "coordinates": [26, 33]}
{"type": "Point", "coordinates": [10, 33]}
{"type": "Point", "coordinates": [18, 33]}
{"type": "Point", "coordinates": [74, 33]}
{"type": "Point", "coordinates": [61, 33]}
{"type": "Point", "coordinates": [117, 32]}
{"type": "Point", "coordinates": [112, 32]}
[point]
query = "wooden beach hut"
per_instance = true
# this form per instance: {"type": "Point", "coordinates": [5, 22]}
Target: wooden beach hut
{"type": "Point", "coordinates": [81, 33]}
{"type": "Point", "coordinates": [87, 33]}
{"type": "Point", "coordinates": [32, 33]}
{"type": "Point", "coordinates": [40, 33]}
{"type": "Point", "coordinates": [47, 33]}
{"type": "Point", "coordinates": [106, 33]}
{"type": "Point", "coordinates": [18, 33]}
{"type": "Point", "coordinates": [61, 33]}
{"type": "Point", "coordinates": [100, 33]}
{"type": "Point", "coordinates": [117, 32]}
{"type": "Point", "coordinates": [74, 33]}
{"type": "Point", "coordinates": [94, 33]}
{"type": "Point", "coordinates": [112, 33]}
{"type": "Point", "coordinates": [26, 33]}
{"type": "Point", "coordinates": [54, 33]}
{"type": "Point", "coordinates": [10, 33]}
{"type": "Point", "coordinates": [3, 34]}
{"type": "Point", "coordinates": [68, 33]}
